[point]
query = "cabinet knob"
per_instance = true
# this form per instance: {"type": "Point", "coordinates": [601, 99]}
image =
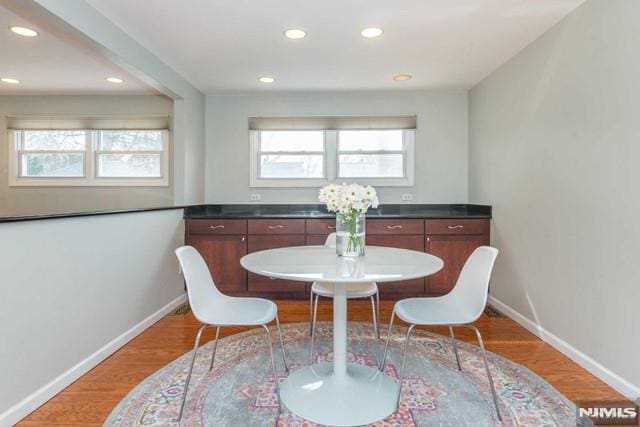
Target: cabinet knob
{"type": "Point", "coordinates": [273, 227]}
{"type": "Point", "coordinates": [453, 227]}
{"type": "Point", "coordinates": [393, 227]}
{"type": "Point", "coordinates": [243, 238]}
{"type": "Point", "coordinates": [215, 227]}
{"type": "Point", "coordinates": [428, 239]}
{"type": "Point", "coordinates": [331, 227]}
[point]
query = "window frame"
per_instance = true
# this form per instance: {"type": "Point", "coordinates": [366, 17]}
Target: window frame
{"type": "Point", "coordinates": [91, 153]}
{"type": "Point", "coordinates": [331, 163]}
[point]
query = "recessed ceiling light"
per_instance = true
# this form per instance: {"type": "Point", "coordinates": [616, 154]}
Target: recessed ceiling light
{"type": "Point", "coordinates": [295, 34]}
{"type": "Point", "coordinates": [114, 80]}
{"type": "Point", "coordinates": [24, 31]}
{"type": "Point", "coordinates": [402, 77]}
{"type": "Point", "coordinates": [266, 79]}
{"type": "Point", "coordinates": [371, 32]}
{"type": "Point", "coordinates": [10, 80]}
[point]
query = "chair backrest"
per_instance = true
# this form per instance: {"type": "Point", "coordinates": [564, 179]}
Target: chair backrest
{"type": "Point", "coordinates": [201, 290]}
{"type": "Point", "coordinates": [471, 289]}
{"type": "Point", "coordinates": [331, 240]}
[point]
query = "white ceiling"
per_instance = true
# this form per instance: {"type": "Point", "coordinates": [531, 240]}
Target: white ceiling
{"type": "Point", "coordinates": [47, 65]}
{"type": "Point", "coordinates": [225, 45]}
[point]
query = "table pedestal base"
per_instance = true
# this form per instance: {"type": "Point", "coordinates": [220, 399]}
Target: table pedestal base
{"type": "Point", "coordinates": [363, 395]}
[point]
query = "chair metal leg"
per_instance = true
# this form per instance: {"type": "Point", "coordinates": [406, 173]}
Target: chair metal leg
{"type": "Point", "coordinates": [378, 312]}
{"type": "Point", "coordinates": [486, 367]}
{"type": "Point", "coordinates": [193, 359]}
{"type": "Point", "coordinates": [404, 352]}
{"type": "Point", "coordinates": [455, 347]}
{"type": "Point", "coordinates": [376, 333]}
{"type": "Point", "coordinates": [310, 313]}
{"type": "Point", "coordinates": [376, 329]}
{"type": "Point", "coordinates": [273, 366]}
{"type": "Point", "coordinates": [404, 359]}
{"type": "Point", "coordinates": [386, 345]}
{"type": "Point", "coordinates": [313, 329]}
{"type": "Point", "coordinates": [284, 356]}
{"type": "Point", "coordinates": [215, 347]}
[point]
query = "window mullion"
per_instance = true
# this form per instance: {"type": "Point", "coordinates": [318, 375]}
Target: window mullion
{"type": "Point", "coordinates": [90, 160]}
{"type": "Point", "coordinates": [331, 147]}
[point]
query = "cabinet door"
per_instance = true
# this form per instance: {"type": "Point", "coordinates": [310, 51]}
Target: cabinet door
{"type": "Point", "coordinates": [259, 283]}
{"type": "Point", "coordinates": [454, 251]}
{"type": "Point", "coordinates": [222, 254]}
{"type": "Point", "coordinates": [402, 288]}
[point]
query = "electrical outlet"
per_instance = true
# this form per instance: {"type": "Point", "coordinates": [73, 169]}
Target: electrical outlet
{"type": "Point", "coordinates": [255, 197]}
{"type": "Point", "coordinates": [407, 197]}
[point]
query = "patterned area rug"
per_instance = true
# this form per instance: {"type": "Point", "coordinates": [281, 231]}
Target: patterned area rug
{"type": "Point", "coordinates": [240, 391]}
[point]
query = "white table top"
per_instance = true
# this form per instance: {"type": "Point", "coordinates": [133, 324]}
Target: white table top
{"type": "Point", "coordinates": [321, 264]}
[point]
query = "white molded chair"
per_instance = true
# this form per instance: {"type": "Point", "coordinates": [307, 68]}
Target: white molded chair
{"type": "Point", "coordinates": [354, 290]}
{"type": "Point", "coordinates": [460, 307]}
{"type": "Point", "coordinates": [213, 308]}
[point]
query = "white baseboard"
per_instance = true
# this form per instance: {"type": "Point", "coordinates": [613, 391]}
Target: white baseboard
{"type": "Point", "coordinates": [618, 383]}
{"type": "Point", "coordinates": [40, 396]}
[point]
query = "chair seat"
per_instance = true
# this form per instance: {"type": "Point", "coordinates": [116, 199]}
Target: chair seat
{"type": "Point", "coordinates": [229, 311]}
{"type": "Point", "coordinates": [433, 311]}
{"type": "Point", "coordinates": [354, 290]}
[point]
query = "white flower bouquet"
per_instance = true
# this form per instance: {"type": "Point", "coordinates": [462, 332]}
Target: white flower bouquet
{"type": "Point", "coordinates": [350, 202]}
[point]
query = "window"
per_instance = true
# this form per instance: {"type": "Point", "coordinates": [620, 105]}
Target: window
{"type": "Point", "coordinates": [52, 154]}
{"type": "Point", "coordinates": [129, 154]}
{"type": "Point", "coordinates": [291, 154]}
{"type": "Point", "coordinates": [313, 158]}
{"type": "Point", "coordinates": [89, 157]}
{"type": "Point", "coordinates": [371, 154]}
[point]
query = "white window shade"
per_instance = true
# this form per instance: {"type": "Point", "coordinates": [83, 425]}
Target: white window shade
{"type": "Point", "coordinates": [403, 122]}
{"type": "Point", "coordinates": [88, 122]}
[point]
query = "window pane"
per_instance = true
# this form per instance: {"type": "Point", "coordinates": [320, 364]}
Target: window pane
{"type": "Point", "coordinates": [129, 165]}
{"type": "Point", "coordinates": [370, 140]}
{"type": "Point", "coordinates": [291, 140]}
{"type": "Point", "coordinates": [52, 165]}
{"type": "Point", "coordinates": [128, 140]}
{"type": "Point", "coordinates": [54, 140]}
{"type": "Point", "coordinates": [371, 166]}
{"type": "Point", "coordinates": [291, 166]}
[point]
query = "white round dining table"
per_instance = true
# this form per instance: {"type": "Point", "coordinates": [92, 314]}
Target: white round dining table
{"type": "Point", "coordinates": [340, 393]}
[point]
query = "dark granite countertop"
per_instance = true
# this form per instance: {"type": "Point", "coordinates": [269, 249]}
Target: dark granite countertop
{"type": "Point", "coordinates": [459, 211]}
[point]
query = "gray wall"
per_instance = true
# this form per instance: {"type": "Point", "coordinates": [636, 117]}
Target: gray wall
{"type": "Point", "coordinates": [45, 200]}
{"type": "Point", "coordinates": [441, 141]}
{"type": "Point", "coordinates": [555, 147]}
{"type": "Point", "coordinates": [70, 286]}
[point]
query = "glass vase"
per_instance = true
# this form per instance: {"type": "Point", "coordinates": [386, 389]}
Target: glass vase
{"type": "Point", "coordinates": [350, 235]}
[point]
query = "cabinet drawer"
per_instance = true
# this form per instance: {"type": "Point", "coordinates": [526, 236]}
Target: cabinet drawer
{"type": "Point", "coordinates": [456, 226]}
{"type": "Point", "coordinates": [395, 226]}
{"type": "Point", "coordinates": [276, 226]}
{"type": "Point", "coordinates": [223, 226]}
{"type": "Point", "coordinates": [321, 226]}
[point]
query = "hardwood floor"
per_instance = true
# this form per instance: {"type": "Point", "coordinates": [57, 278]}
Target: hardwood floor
{"type": "Point", "coordinates": [88, 401]}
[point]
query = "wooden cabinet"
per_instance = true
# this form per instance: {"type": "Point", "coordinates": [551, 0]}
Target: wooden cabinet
{"type": "Point", "coordinates": [318, 229]}
{"type": "Point", "coordinates": [452, 241]}
{"type": "Point", "coordinates": [403, 288]}
{"type": "Point", "coordinates": [223, 242]}
{"type": "Point", "coordinates": [222, 253]}
{"type": "Point", "coordinates": [258, 283]}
